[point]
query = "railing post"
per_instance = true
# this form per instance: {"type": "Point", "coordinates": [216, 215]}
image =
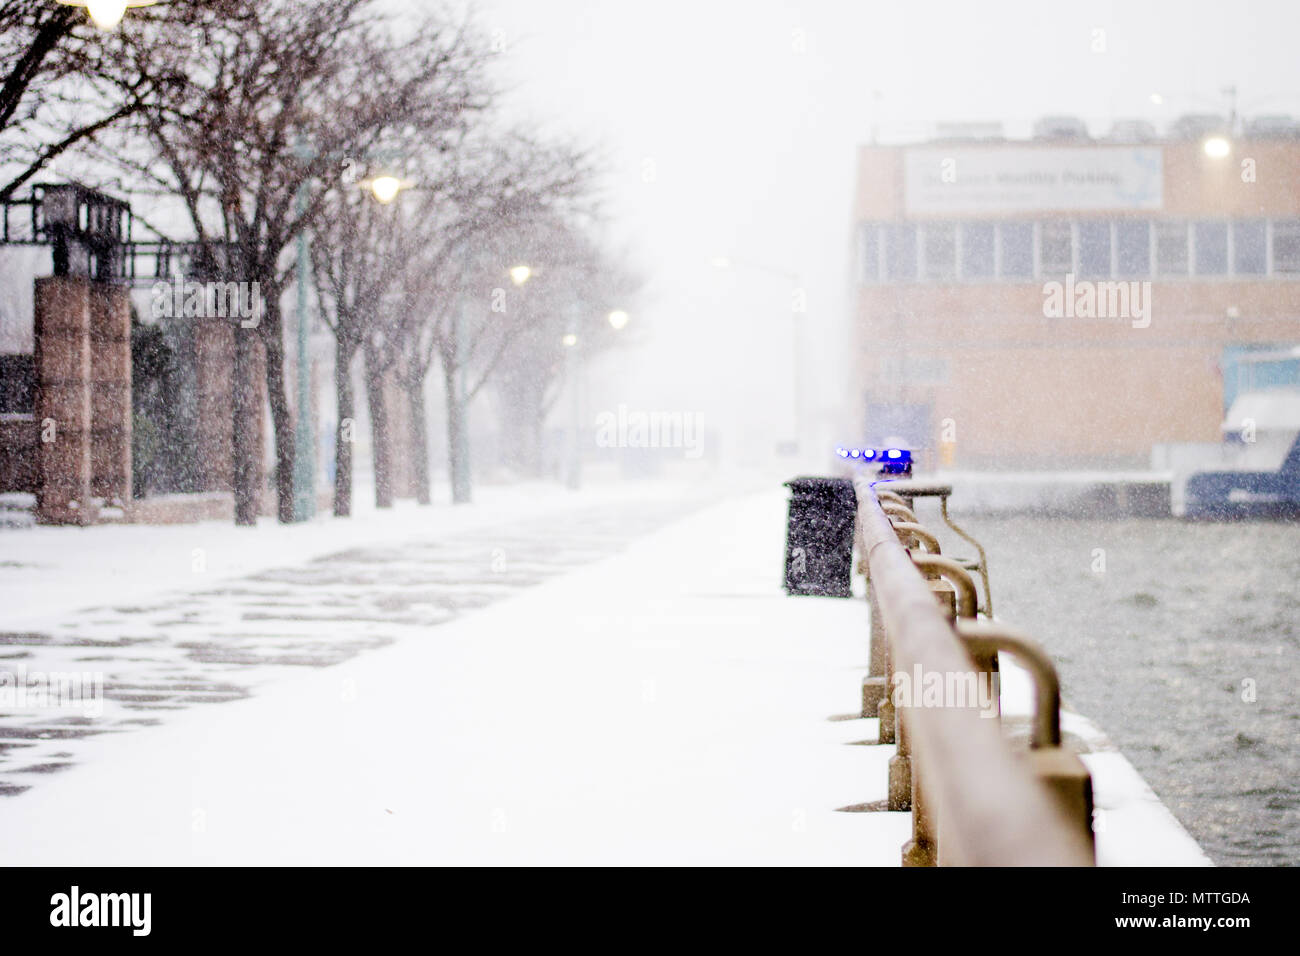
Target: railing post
{"type": "Point", "coordinates": [1066, 776]}
{"type": "Point", "coordinates": [921, 850]}
{"type": "Point", "coordinates": [875, 686]}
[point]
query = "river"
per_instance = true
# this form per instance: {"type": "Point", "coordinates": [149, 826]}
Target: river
{"type": "Point", "coordinates": [1182, 641]}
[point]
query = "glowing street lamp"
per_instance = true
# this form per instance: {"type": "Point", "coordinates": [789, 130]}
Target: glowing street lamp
{"type": "Point", "coordinates": [569, 340]}
{"type": "Point", "coordinates": [386, 188]}
{"type": "Point", "coordinates": [107, 14]}
{"type": "Point", "coordinates": [1217, 147]}
{"type": "Point", "coordinates": [520, 274]}
{"type": "Point", "coordinates": [618, 319]}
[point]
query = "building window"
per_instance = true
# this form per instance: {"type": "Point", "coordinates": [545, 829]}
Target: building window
{"type": "Point", "coordinates": [977, 261]}
{"type": "Point", "coordinates": [1171, 248]}
{"type": "Point", "coordinates": [1249, 248]}
{"type": "Point", "coordinates": [869, 252]}
{"type": "Point", "coordinates": [1286, 247]}
{"type": "Point", "coordinates": [1133, 248]}
{"type": "Point", "coordinates": [1055, 248]}
{"type": "Point", "coordinates": [1094, 249]}
{"type": "Point", "coordinates": [1017, 241]}
{"type": "Point", "coordinates": [900, 251]}
{"type": "Point", "coordinates": [1210, 241]}
{"type": "Point", "coordinates": [940, 240]}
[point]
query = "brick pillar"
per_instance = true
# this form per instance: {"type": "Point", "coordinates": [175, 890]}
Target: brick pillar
{"type": "Point", "coordinates": [214, 360]}
{"type": "Point", "coordinates": [62, 356]}
{"type": "Point", "coordinates": [110, 393]}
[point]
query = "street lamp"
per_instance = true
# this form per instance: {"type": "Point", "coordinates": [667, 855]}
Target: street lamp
{"type": "Point", "coordinates": [618, 319]}
{"type": "Point", "coordinates": [1217, 147]}
{"type": "Point", "coordinates": [385, 188]}
{"type": "Point", "coordinates": [520, 274]}
{"type": "Point", "coordinates": [107, 14]}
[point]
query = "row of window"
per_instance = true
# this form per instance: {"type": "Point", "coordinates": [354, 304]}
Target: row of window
{"type": "Point", "coordinates": [947, 251]}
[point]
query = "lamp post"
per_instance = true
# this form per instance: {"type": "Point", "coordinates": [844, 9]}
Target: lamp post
{"type": "Point", "coordinates": [304, 455]}
{"type": "Point", "coordinates": [573, 479]}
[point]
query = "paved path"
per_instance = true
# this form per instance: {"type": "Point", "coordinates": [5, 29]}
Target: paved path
{"type": "Point", "coordinates": [217, 643]}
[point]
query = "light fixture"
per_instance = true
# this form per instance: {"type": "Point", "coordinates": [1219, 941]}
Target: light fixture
{"type": "Point", "coordinates": [1217, 147]}
{"type": "Point", "coordinates": [107, 14]}
{"type": "Point", "coordinates": [520, 274]}
{"type": "Point", "coordinates": [1157, 99]}
{"type": "Point", "coordinates": [618, 319]}
{"type": "Point", "coordinates": [386, 188]}
{"type": "Point", "coordinates": [569, 340]}
{"type": "Point", "coordinates": [866, 454]}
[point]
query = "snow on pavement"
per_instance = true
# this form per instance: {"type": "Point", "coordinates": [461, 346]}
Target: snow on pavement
{"type": "Point", "coordinates": [666, 705]}
{"type": "Point", "coordinates": [223, 637]}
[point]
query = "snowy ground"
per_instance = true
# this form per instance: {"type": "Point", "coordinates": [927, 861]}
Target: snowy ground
{"type": "Point", "coordinates": [666, 704]}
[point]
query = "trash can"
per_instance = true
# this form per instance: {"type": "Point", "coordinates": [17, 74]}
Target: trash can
{"type": "Point", "coordinates": [819, 536]}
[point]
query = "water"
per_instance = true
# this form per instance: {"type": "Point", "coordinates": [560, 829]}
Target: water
{"type": "Point", "coordinates": [1182, 641]}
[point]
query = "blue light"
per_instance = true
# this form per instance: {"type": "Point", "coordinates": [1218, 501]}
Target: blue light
{"type": "Point", "coordinates": [854, 453]}
{"type": "Point", "coordinates": [894, 453]}
{"type": "Point", "coordinates": [842, 452]}
{"type": "Point", "coordinates": [868, 454]}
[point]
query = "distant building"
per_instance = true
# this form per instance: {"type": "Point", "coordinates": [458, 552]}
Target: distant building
{"type": "Point", "coordinates": [1065, 302]}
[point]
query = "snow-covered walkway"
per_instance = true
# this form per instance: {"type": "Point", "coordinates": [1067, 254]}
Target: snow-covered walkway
{"type": "Point", "coordinates": [668, 704]}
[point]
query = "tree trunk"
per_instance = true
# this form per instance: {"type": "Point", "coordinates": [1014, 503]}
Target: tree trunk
{"type": "Point", "coordinates": [380, 436]}
{"type": "Point", "coordinates": [344, 430]}
{"type": "Point", "coordinates": [247, 430]}
{"type": "Point", "coordinates": [281, 420]}
{"type": "Point", "coordinates": [457, 442]}
{"type": "Point", "coordinates": [419, 441]}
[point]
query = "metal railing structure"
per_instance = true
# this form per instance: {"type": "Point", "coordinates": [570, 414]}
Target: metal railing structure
{"type": "Point", "coordinates": [92, 234]}
{"type": "Point", "coordinates": [974, 800]}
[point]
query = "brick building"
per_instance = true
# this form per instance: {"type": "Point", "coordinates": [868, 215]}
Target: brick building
{"type": "Point", "coordinates": [961, 245]}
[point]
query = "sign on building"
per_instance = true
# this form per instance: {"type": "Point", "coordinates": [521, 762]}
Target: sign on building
{"type": "Point", "coordinates": [980, 180]}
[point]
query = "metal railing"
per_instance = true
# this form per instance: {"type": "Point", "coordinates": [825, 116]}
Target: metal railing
{"type": "Point", "coordinates": [974, 801]}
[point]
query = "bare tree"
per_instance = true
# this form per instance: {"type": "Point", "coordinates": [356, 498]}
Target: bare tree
{"type": "Point", "coordinates": [459, 309]}
{"type": "Point", "coordinates": [358, 258]}
{"type": "Point", "coordinates": [278, 94]}
{"type": "Point", "coordinates": [63, 82]}
{"type": "Point", "coordinates": [582, 282]}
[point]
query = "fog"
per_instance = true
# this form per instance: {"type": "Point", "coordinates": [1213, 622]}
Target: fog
{"type": "Point", "coordinates": [745, 117]}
